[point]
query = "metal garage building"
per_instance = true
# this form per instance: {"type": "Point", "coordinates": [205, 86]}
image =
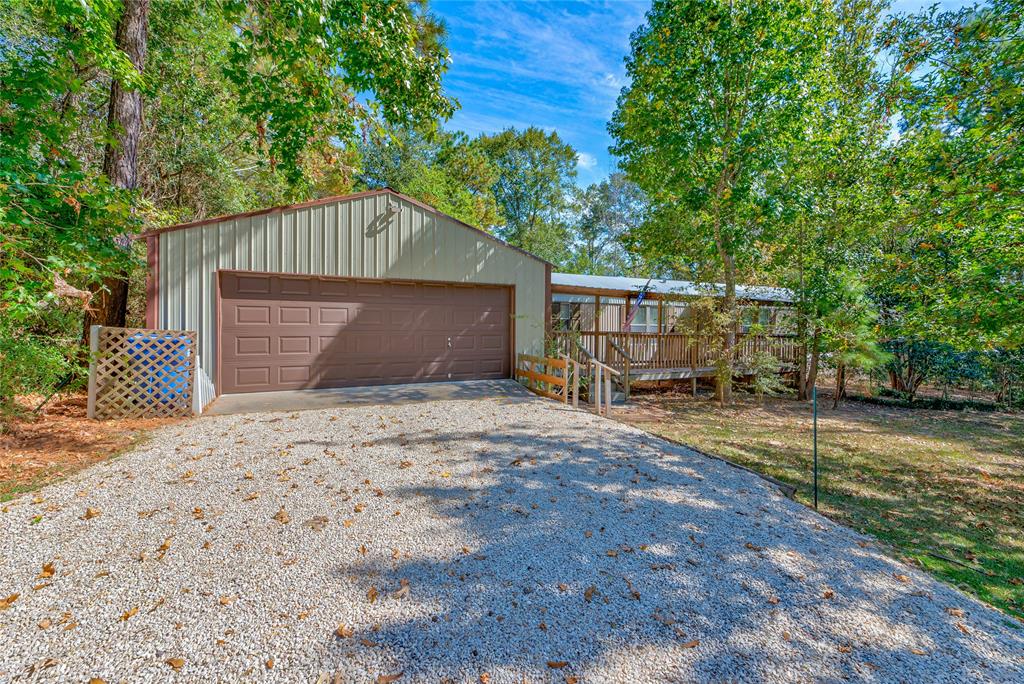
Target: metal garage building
{"type": "Point", "coordinates": [365, 289]}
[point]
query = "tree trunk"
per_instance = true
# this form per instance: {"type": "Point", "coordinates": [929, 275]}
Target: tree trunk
{"type": "Point", "coordinates": [840, 385]}
{"type": "Point", "coordinates": [120, 156]}
{"type": "Point", "coordinates": [812, 367]}
{"type": "Point", "coordinates": [729, 336]}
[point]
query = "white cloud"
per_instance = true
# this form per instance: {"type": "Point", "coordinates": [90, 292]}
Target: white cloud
{"type": "Point", "coordinates": [586, 161]}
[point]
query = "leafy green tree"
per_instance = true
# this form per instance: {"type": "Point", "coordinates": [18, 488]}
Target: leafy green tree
{"type": "Point", "coordinates": [536, 174]}
{"type": "Point", "coordinates": [830, 184]}
{"type": "Point", "coordinates": [952, 264]}
{"type": "Point", "coordinates": [717, 94]}
{"type": "Point", "coordinates": [446, 170]}
{"type": "Point", "coordinates": [605, 214]}
{"type": "Point", "coordinates": [310, 72]}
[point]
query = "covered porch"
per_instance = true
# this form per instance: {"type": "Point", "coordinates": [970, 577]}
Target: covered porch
{"type": "Point", "coordinates": [664, 339]}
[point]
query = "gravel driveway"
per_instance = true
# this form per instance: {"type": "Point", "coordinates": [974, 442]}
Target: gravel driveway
{"type": "Point", "coordinates": [490, 540]}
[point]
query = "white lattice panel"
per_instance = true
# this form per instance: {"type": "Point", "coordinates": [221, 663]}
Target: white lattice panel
{"type": "Point", "coordinates": [141, 373]}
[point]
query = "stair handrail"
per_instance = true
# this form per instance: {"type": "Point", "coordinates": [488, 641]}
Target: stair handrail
{"type": "Point", "coordinates": [627, 362]}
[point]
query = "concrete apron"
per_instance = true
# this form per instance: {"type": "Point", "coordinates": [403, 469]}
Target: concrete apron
{"type": "Point", "coordinates": [304, 400]}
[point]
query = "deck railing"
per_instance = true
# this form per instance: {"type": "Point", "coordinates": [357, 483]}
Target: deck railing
{"type": "Point", "coordinates": [670, 350]}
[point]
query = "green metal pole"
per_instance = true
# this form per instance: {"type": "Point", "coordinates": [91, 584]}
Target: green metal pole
{"type": "Point", "coordinates": [814, 399]}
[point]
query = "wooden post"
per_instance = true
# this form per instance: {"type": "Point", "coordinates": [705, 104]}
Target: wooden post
{"type": "Point", "coordinates": [576, 385]}
{"type": "Point", "coordinates": [693, 383]}
{"type": "Point", "coordinates": [94, 348]}
{"type": "Point", "coordinates": [597, 388]}
{"type": "Point", "coordinates": [608, 393]}
{"type": "Point", "coordinates": [625, 379]}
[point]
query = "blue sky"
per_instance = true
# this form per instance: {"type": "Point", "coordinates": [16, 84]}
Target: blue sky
{"type": "Point", "coordinates": [555, 65]}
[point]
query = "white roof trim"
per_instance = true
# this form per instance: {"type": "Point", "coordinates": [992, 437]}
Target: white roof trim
{"type": "Point", "coordinates": [684, 288]}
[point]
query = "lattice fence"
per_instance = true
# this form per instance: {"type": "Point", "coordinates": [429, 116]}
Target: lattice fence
{"type": "Point", "coordinates": [140, 373]}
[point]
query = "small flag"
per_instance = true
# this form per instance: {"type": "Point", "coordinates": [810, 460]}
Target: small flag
{"type": "Point", "coordinates": [636, 306]}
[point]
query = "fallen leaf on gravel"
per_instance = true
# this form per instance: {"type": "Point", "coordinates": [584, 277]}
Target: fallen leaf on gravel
{"type": "Point", "coordinates": [251, 496]}
{"type": "Point", "coordinates": [829, 594]}
{"type": "Point", "coordinates": [690, 644]}
{"type": "Point", "coordinates": [446, 474]}
{"type": "Point", "coordinates": [343, 632]}
{"type": "Point", "coordinates": [662, 618]}
{"type": "Point", "coordinates": [963, 628]}
{"type": "Point", "coordinates": [37, 499]}
{"type": "Point", "coordinates": [198, 513]}
{"type": "Point", "coordinates": [282, 516]}
{"type": "Point", "coordinates": [774, 600]}
{"type": "Point", "coordinates": [317, 523]}
{"type": "Point", "coordinates": [917, 651]}
{"type": "Point", "coordinates": [901, 578]}
{"type": "Point", "coordinates": [359, 508]}
{"type": "Point", "coordinates": [349, 522]}
{"type": "Point", "coordinates": [588, 534]}
{"type": "Point", "coordinates": [176, 663]}
{"type": "Point", "coordinates": [97, 680]}
{"type": "Point", "coordinates": [403, 591]}
{"type": "Point", "coordinates": [70, 626]}
{"type": "Point", "coordinates": [45, 623]}
{"type": "Point", "coordinates": [785, 635]}
{"type": "Point", "coordinates": [371, 595]}
{"type": "Point", "coordinates": [41, 585]}
{"type": "Point", "coordinates": [570, 679]}
{"type": "Point", "coordinates": [485, 678]}
{"type": "Point", "coordinates": [248, 475]}
{"type": "Point", "coordinates": [48, 571]}
{"type": "Point", "coordinates": [405, 464]}
{"type": "Point", "coordinates": [90, 513]}
{"type": "Point", "coordinates": [557, 664]}
{"type": "Point", "coordinates": [129, 613]}
{"type": "Point", "coordinates": [187, 474]}
{"type": "Point", "coordinates": [362, 549]}
{"type": "Point", "coordinates": [588, 595]}
{"type": "Point", "coordinates": [753, 547]}
{"type": "Point", "coordinates": [955, 612]}
{"type": "Point", "coordinates": [387, 679]}
{"type": "Point", "coordinates": [846, 648]}
{"type": "Point", "coordinates": [367, 643]}
{"type": "Point", "coordinates": [269, 663]}
{"type": "Point", "coordinates": [611, 553]}
{"type": "Point", "coordinates": [225, 600]}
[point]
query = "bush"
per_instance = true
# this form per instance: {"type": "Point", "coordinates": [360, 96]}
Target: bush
{"type": "Point", "coordinates": [30, 365]}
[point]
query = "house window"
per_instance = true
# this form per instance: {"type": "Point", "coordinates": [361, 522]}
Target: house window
{"type": "Point", "coordinates": [645, 320]}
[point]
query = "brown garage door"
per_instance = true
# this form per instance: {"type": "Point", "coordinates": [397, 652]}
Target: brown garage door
{"type": "Point", "coordinates": [297, 332]}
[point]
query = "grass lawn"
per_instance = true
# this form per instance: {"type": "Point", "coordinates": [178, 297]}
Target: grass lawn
{"type": "Point", "coordinates": [945, 489]}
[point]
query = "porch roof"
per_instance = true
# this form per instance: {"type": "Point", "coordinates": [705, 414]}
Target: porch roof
{"type": "Point", "coordinates": [619, 285]}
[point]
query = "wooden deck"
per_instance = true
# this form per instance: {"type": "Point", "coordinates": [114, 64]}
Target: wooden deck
{"type": "Point", "coordinates": [644, 357]}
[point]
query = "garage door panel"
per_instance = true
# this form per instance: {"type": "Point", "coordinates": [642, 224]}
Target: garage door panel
{"type": "Point", "coordinates": [252, 346]}
{"type": "Point", "coordinates": [335, 288]}
{"type": "Point", "coordinates": [296, 286]}
{"type": "Point", "coordinates": [333, 315]}
{"type": "Point", "coordinates": [294, 315]}
{"type": "Point", "coordinates": [288, 332]}
{"type": "Point", "coordinates": [294, 345]}
{"type": "Point", "coordinates": [252, 376]}
{"type": "Point", "coordinates": [252, 314]}
{"type": "Point", "coordinates": [294, 374]}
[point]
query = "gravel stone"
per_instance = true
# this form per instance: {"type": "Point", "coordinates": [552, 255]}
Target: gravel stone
{"type": "Point", "coordinates": [511, 536]}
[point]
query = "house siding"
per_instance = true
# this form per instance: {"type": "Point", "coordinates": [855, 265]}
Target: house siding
{"type": "Point", "coordinates": [349, 237]}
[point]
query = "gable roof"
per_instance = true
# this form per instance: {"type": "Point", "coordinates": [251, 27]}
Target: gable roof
{"type": "Point", "coordinates": [669, 287]}
{"type": "Point", "coordinates": [330, 200]}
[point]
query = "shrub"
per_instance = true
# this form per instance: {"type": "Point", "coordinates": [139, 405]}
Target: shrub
{"type": "Point", "coordinates": [30, 365]}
